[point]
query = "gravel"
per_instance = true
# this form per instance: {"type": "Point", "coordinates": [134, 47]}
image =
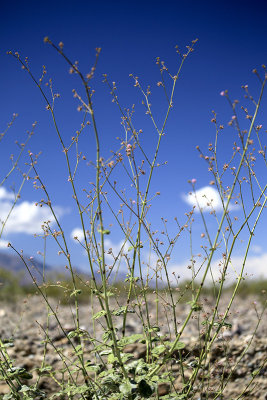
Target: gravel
{"type": "Point", "coordinates": [25, 322]}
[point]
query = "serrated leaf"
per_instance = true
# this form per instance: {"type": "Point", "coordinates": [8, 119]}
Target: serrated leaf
{"type": "Point", "coordinates": [43, 370]}
{"type": "Point", "coordinates": [126, 388]}
{"type": "Point", "coordinates": [158, 350]}
{"type": "Point", "coordinates": [122, 310]}
{"type": "Point", "coordinates": [141, 367]}
{"type": "Point", "coordinates": [93, 368]}
{"type": "Point", "coordinates": [80, 390]}
{"type": "Point", "coordinates": [24, 388]}
{"type": "Point", "coordinates": [99, 314]}
{"type": "Point", "coordinates": [130, 339]}
{"type": "Point", "coordinates": [112, 358]}
{"type": "Point", "coordinates": [179, 346]}
{"type": "Point", "coordinates": [105, 352]}
{"type": "Point", "coordinates": [110, 383]}
{"type": "Point", "coordinates": [126, 357]}
{"type": "Point", "coordinates": [195, 306]}
{"type": "Point", "coordinates": [16, 372]}
{"type": "Point", "coordinates": [79, 347]}
{"type": "Point", "coordinates": [106, 336]}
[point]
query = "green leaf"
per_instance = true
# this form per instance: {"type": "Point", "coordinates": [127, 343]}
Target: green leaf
{"type": "Point", "coordinates": [25, 388]}
{"type": "Point", "coordinates": [154, 329]}
{"type": "Point", "coordinates": [227, 324]}
{"type": "Point", "coordinates": [122, 310]}
{"type": "Point", "coordinates": [127, 388]}
{"type": "Point", "coordinates": [78, 348]}
{"type": "Point", "coordinates": [8, 396]}
{"type": "Point", "coordinates": [45, 369]}
{"type": "Point", "coordinates": [105, 231]}
{"type": "Point", "coordinates": [158, 350]}
{"type": "Point", "coordinates": [195, 306]}
{"type": "Point", "coordinates": [105, 352]}
{"type": "Point", "coordinates": [130, 339]}
{"type": "Point", "coordinates": [106, 336]}
{"type": "Point", "coordinates": [110, 383]}
{"type": "Point", "coordinates": [126, 357]}
{"type": "Point", "coordinates": [16, 372]}
{"type": "Point", "coordinates": [72, 334]}
{"type": "Point", "coordinates": [81, 390]}
{"type": "Point", "coordinates": [145, 389]}
{"type": "Point", "coordinates": [132, 279]}
{"type": "Point", "coordinates": [112, 358]}
{"type": "Point", "coordinates": [93, 368]}
{"type": "Point", "coordinates": [179, 346]}
{"type": "Point", "coordinates": [99, 314]}
{"type": "Point", "coordinates": [141, 367]}
{"type": "Point", "coordinates": [7, 343]}
{"type": "Point", "coordinates": [174, 396]}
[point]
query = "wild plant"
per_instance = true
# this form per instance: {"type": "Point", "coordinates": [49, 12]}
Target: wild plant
{"type": "Point", "coordinates": [100, 365]}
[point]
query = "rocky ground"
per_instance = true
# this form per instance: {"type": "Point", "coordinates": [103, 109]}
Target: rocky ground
{"type": "Point", "coordinates": [24, 322]}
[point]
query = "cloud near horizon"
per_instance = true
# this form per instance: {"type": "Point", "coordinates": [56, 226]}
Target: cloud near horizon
{"type": "Point", "coordinates": [25, 217]}
{"type": "Point", "coordinates": [116, 247]}
{"type": "Point", "coordinates": [256, 264]}
{"type": "Point", "coordinates": [255, 268]}
{"type": "Point", "coordinates": [207, 197]}
{"type": "Point", "coordinates": [3, 243]}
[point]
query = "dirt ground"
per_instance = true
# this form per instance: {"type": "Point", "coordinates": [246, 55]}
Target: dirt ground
{"type": "Point", "coordinates": [25, 321]}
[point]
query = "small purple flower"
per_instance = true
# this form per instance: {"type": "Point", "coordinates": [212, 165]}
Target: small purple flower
{"type": "Point", "coordinates": [222, 93]}
{"type": "Point", "coordinates": [193, 181]}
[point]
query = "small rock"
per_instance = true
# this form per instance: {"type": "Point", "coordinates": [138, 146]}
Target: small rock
{"type": "Point", "coordinates": [4, 389]}
{"type": "Point", "coordinates": [2, 312]}
{"type": "Point", "coordinates": [163, 388]}
{"type": "Point", "coordinates": [137, 349]}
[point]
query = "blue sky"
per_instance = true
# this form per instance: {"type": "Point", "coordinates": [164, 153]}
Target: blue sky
{"type": "Point", "coordinates": [232, 41]}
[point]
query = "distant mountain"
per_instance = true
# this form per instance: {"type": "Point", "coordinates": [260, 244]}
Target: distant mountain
{"type": "Point", "coordinates": [15, 265]}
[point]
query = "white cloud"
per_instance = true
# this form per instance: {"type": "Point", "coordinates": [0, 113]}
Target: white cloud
{"type": "Point", "coordinates": [116, 248]}
{"type": "Point", "coordinates": [77, 232]}
{"type": "Point", "coordinates": [5, 195]}
{"type": "Point", "coordinates": [256, 249]}
{"type": "Point", "coordinates": [208, 198]}
{"type": "Point", "coordinates": [256, 267]}
{"type": "Point", "coordinates": [25, 216]}
{"type": "Point", "coordinates": [3, 243]}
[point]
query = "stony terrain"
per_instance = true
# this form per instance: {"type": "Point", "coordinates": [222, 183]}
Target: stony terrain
{"type": "Point", "coordinates": [18, 321]}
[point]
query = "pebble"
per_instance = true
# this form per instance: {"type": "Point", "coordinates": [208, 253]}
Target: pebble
{"type": "Point", "coordinates": [18, 321]}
